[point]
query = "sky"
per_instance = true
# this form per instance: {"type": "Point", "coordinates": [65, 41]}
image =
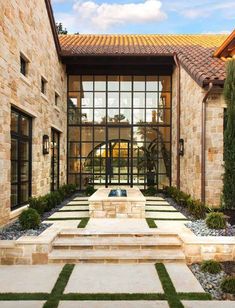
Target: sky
{"type": "Point", "coordinates": [146, 16]}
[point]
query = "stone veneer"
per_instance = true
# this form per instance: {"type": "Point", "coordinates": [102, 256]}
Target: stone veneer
{"type": "Point", "coordinates": [25, 28]}
{"type": "Point", "coordinates": [190, 120]}
{"type": "Point", "coordinates": [102, 206]}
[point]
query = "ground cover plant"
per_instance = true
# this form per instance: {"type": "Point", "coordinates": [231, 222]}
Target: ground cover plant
{"type": "Point", "coordinates": [211, 266]}
{"type": "Point", "coordinates": [216, 220]}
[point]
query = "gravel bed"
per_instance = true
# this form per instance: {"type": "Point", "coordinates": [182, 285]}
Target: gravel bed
{"type": "Point", "coordinates": [200, 228]}
{"type": "Point", "coordinates": [13, 231]}
{"type": "Point", "coordinates": [210, 282]}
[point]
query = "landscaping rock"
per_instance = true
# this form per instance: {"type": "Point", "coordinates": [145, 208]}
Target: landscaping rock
{"type": "Point", "coordinates": [200, 228]}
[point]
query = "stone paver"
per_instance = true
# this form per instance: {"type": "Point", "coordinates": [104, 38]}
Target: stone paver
{"type": "Point", "coordinates": [113, 304]}
{"type": "Point", "coordinates": [63, 223]}
{"type": "Point", "coordinates": [157, 203]}
{"type": "Point", "coordinates": [182, 278]}
{"type": "Point", "coordinates": [208, 304]}
{"type": "Point", "coordinates": [114, 278]}
{"type": "Point", "coordinates": [78, 202]}
{"type": "Point", "coordinates": [168, 208]}
{"type": "Point", "coordinates": [81, 198]}
{"type": "Point", "coordinates": [30, 279]}
{"type": "Point", "coordinates": [69, 214]}
{"type": "Point", "coordinates": [165, 215]}
{"type": "Point", "coordinates": [74, 208]}
{"type": "Point", "coordinates": [21, 304]}
{"type": "Point", "coordinates": [154, 198]}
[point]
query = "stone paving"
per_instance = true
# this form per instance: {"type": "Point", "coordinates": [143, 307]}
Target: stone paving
{"type": "Point", "coordinates": [96, 285]}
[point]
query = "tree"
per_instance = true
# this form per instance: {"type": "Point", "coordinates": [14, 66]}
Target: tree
{"type": "Point", "coordinates": [60, 29]}
{"type": "Point", "coordinates": [229, 139]}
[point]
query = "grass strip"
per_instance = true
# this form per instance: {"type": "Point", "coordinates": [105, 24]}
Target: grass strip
{"type": "Point", "coordinates": [23, 296]}
{"type": "Point", "coordinates": [83, 222]}
{"type": "Point", "coordinates": [65, 218]}
{"type": "Point", "coordinates": [151, 223]}
{"type": "Point", "coordinates": [57, 291]}
{"type": "Point", "coordinates": [75, 204]}
{"type": "Point", "coordinates": [195, 296]}
{"type": "Point", "coordinates": [113, 296]}
{"type": "Point", "coordinates": [168, 287]}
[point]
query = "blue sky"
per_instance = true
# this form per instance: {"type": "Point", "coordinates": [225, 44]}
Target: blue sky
{"type": "Point", "coordinates": [145, 16]}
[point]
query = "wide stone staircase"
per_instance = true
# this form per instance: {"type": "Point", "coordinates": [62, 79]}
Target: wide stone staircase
{"type": "Point", "coordinates": [76, 246]}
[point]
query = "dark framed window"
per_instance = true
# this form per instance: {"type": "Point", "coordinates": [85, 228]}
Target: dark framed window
{"type": "Point", "coordinates": [55, 159]}
{"type": "Point", "coordinates": [111, 119]}
{"type": "Point", "coordinates": [43, 85]}
{"type": "Point", "coordinates": [23, 65]}
{"type": "Point", "coordinates": [21, 158]}
{"type": "Point", "coordinates": [57, 99]}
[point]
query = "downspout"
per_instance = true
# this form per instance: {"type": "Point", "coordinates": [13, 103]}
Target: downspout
{"type": "Point", "coordinates": [178, 108]}
{"type": "Point", "coordinates": [203, 146]}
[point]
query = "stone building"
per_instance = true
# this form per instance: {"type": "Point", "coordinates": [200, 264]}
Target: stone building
{"type": "Point", "coordinates": [85, 108]}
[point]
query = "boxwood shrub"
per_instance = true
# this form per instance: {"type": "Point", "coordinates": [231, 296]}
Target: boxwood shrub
{"type": "Point", "coordinates": [29, 219]}
{"type": "Point", "coordinates": [39, 204]}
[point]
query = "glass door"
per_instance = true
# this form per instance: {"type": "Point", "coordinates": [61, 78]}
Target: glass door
{"type": "Point", "coordinates": [55, 159]}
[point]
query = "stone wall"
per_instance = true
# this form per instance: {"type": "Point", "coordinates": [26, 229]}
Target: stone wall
{"type": "Point", "coordinates": [190, 120]}
{"type": "Point", "coordinates": [25, 28]}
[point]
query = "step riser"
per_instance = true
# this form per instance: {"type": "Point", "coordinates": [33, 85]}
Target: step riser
{"type": "Point", "coordinates": [115, 247]}
{"type": "Point", "coordinates": [115, 235]}
{"type": "Point", "coordinates": [116, 261]}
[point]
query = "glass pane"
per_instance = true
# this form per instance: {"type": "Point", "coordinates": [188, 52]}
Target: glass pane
{"type": "Point", "coordinates": [74, 149]}
{"type": "Point", "coordinates": [24, 127]}
{"type": "Point", "coordinates": [125, 133]}
{"type": "Point", "coordinates": [138, 133]}
{"type": "Point", "coordinates": [113, 133]}
{"type": "Point", "coordinates": [74, 100]}
{"type": "Point", "coordinates": [74, 165]}
{"type": "Point", "coordinates": [24, 193]}
{"type": "Point", "coordinates": [113, 100]}
{"type": "Point", "coordinates": [14, 195]}
{"type": "Point", "coordinates": [139, 116]}
{"type": "Point", "coordinates": [85, 180]}
{"type": "Point", "coordinates": [100, 116]}
{"type": "Point", "coordinates": [139, 83]}
{"type": "Point", "coordinates": [151, 100]}
{"type": "Point", "coordinates": [100, 100]}
{"type": "Point", "coordinates": [152, 116]}
{"type": "Point", "coordinates": [99, 133]}
{"type": "Point", "coordinates": [87, 133]}
{"type": "Point", "coordinates": [87, 100]}
{"type": "Point", "coordinates": [87, 116]}
{"type": "Point", "coordinates": [164, 83]}
{"type": "Point", "coordinates": [151, 83]}
{"type": "Point", "coordinates": [125, 100]}
{"type": "Point", "coordinates": [24, 171]}
{"type": "Point", "coordinates": [126, 116]}
{"type": "Point", "coordinates": [87, 83]}
{"type": "Point", "coordinates": [125, 83]}
{"type": "Point", "coordinates": [74, 133]}
{"type": "Point", "coordinates": [14, 122]}
{"type": "Point", "coordinates": [14, 171]}
{"type": "Point", "coordinates": [100, 83]}
{"type": "Point", "coordinates": [75, 116]}
{"type": "Point", "coordinates": [113, 83]}
{"type": "Point", "coordinates": [87, 149]}
{"type": "Point", "coordinates": [24, 150]}
{"type": "Point", "coordinates": [113, 116]}
{"type": "Point", "coordinates": [74, 83]}
{"type": "Point", "coordinates": [124, 149]}
{"type": "Point", "coordinates": [138, 100]}
{"type": "Point", "coordinates": [86, 165]}
{"type": "Point", "coordinates": [74, 179]}
{"type": "Point", "coordinates": [14, 149]}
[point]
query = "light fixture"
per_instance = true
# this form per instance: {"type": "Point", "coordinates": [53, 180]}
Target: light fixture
{"type": "Point", "coordinates": [45, 144]}
{"type": "Point", "coordinates": [181, 147]}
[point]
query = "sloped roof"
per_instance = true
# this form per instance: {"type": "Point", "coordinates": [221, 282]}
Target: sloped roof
{"type": "Point", "coordinates": [227, 49]}
{"type": "Point", "coordinates": [195, 52]}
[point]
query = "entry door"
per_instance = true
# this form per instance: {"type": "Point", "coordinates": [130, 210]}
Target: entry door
{"type": "Point", "coordinates": [118, 162]}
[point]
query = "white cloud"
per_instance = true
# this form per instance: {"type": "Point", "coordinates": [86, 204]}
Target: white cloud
{"type": "Point", "coordinates": [91, 16]}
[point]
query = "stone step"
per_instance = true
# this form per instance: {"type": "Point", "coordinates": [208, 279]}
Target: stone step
{"type": "Point", "coordinates": [110, 242]}
{"type": "Point", "coordinates": [154, 198]}
{"type": "Point", "coordinates": [159, 208]}
{"type": "Point", "coordinates": [75, 208]}
{"type": "Point", "coordinates": [165, 215]}
{"type": "Point", "coordinates": [123, 255]}
{"type": "Point", "coordinates": [81, 198]}
{"type": "Point", "coordinates": [157, 203]}
{"type": "Point", "coordinates": [74, 202]}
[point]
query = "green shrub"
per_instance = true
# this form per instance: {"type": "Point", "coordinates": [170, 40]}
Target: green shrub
{"type": "Point", "coordinates": [29, 219]}
{"type": "Point", "coordinates": [51, 201]}
{"type": "Point", "coordinates": [197, 208]}
{"type": "Point", "coordinates": [228, 285]}
{"type": "Point", "coordinates": [89, 190]}
{"type": "Point", "coordinates": [62, 192]}
{"type": "Point", "coordinates": [211, 266]}
{"type": "Point", "coordinates": [216, 220]}
{"type": "Point", "coordinates": [150, 191]}
{"type": "Point", "coordinates": [39, 204]}
{"type": "Point", "coordinates": [57, 197]}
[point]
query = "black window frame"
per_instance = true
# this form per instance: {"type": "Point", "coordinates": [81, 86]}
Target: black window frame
{"type": "Point", "coordinates": [55, 132]}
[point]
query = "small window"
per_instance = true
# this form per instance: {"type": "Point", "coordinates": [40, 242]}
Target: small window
{"type": "Point", "coordinates": [43, 85]}
{"type": "Point", "coordinates": [23, 65]}
{"type": "Point", "coordinates": [57, 99]}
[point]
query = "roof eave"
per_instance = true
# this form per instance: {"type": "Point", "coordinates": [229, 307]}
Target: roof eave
{"type": "Point", "coordinates": [228, 40]}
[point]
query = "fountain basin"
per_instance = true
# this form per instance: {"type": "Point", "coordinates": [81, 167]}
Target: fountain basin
{"type": "Point", "coordinates": [103, 205]}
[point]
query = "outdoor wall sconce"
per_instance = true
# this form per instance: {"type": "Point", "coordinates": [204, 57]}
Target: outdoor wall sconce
{"type": "Point", "coordinates": [45, 144]}
{"type": "Point", "coordinates": [181, 147]}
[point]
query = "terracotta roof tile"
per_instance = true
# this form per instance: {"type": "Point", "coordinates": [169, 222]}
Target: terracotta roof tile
{"type": "Point", "coordinates": [195, 52]}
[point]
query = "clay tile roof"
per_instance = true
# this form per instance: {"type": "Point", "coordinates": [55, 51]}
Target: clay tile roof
{"type": "Point", "coordinates": [195, 52]}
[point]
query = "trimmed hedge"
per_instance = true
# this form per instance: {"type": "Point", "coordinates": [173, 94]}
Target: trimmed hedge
{"type": "Point", "coordinates": [90, 190]}
{"type": "Point", "coordinates": [29, 219]}
{"type": "Point", "coordinates": [196, 208]}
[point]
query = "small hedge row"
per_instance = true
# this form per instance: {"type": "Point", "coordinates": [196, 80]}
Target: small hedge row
{"type": "Point", "coordinates": [196, 208]}
{"type": "Point", "coordinates": [30, 218]}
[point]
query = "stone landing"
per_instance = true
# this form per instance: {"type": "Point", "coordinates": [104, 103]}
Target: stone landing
{"type": "Point", "coordinates": [103, 206]}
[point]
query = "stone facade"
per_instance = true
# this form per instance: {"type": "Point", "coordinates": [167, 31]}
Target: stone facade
{"type": "Point", "coordinates": [25, 30]}
{"type": "Point", "coordinates": [191, 127]}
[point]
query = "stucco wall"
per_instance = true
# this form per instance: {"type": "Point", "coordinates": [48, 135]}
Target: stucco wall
{"type": "Point", "coordinates": [25, 28]}
{"type": "Point", "coordinates": [190, 120]}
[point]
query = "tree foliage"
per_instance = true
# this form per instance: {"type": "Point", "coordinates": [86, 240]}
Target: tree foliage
{"type": "Point", "coordinates": [61, 29]}
{"type": "Point", "coordinates": [229, 138]}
